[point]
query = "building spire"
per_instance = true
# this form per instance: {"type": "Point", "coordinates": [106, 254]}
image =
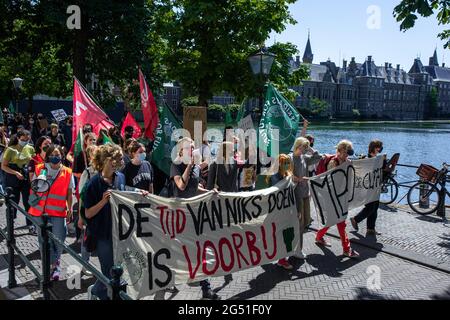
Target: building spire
{"type": "Point", "coordinates": [308, 55]}
{"type": "Point", "coordinates": [434, 59]}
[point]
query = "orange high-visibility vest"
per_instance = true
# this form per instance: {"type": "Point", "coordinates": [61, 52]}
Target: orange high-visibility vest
{"type": "Point", "coordinates": [55, 200]}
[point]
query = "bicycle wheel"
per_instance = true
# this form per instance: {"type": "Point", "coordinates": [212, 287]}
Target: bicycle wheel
{"type": "Point", "coordinates": [389, 191]}
{"type": "Point", "coordinates": [423, 198]}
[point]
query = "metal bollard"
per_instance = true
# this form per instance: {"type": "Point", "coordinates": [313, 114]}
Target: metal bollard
{"type": "Point", "coordinates": [11, 241]}
{"type": "Point", "coordinates": [45, 228]}
{"type": "Point", "coordinates": [117, 283]}
{"type": "Point", "coordinates": [441, 208]}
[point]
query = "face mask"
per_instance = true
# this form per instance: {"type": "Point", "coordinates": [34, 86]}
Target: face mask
{"type": "Point", "coordinates": [23, 143]}
{"type": "Point", "coordinates": [142, 156]}
{"type": "Point", "coordinates": [31, 121]}
{"type": "Point", "coordinates": [350, 152]}
{"type": "Point", "coordinates": [54, 159]}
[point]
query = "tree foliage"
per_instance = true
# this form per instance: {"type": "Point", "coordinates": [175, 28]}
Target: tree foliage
{"type": "Point", "coordinates": [407, 11]}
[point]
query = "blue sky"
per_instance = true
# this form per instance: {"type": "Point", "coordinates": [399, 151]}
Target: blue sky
{"type": "Point", "coordinates": [339, 29]}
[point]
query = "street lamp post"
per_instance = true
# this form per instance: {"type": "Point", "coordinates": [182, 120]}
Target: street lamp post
{"type": "Point", "coordinates": [17, 81]}
{"type": "Point", "coordinates": [261, 63]}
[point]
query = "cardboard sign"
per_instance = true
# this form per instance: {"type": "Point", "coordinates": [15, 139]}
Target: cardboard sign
{"type": "Point", "coordinates": [192, 115]}
{"type": "Point", "coordinates": [59, 114]}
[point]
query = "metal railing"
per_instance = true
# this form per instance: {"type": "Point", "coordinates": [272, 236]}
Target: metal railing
{"type": "Point", "coordinates": [116, 286]}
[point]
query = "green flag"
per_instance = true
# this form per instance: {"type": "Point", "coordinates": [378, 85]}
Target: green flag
{"type": "Point", "coordinates": [278, 113]}
{"type": "Point", "coordinates": [11, 107]}
{"type": "Point", "coordinates": [163, 145]}
{"type": "Point", "coordinates": [78, 143]}
{"type": "Point", "coordinates": [241, 111]}
{"type": "Point", "coordinates": [107, 139]}
{"type": "Point", "coordinates": [228, 118]}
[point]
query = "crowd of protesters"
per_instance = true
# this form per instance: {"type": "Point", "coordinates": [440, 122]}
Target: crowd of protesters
{"type": "Point", "coordinates": [80, 184]}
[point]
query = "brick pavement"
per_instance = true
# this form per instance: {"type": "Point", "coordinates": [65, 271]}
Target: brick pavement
{"type": "Point", "coordinates": [325, 274]}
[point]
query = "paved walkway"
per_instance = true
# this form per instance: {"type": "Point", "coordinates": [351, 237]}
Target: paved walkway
{"type": "Point", "coordinates": [325, 274]}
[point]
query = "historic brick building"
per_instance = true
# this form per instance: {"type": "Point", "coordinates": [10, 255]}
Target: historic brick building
{"type": "Point", "coordinates": [375, 91]}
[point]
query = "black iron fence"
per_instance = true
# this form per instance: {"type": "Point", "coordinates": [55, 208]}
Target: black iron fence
{"type": "Point", "coordinates": [116, 285]}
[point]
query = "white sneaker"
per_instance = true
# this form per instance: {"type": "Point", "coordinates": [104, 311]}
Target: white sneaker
{"type": "Point", "coordinates": [90, 295]}
{"type": "Point", "coordinates": [300, 255]}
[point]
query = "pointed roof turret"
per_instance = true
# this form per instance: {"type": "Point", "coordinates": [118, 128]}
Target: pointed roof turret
{"type": "Point", "coordinates": [308, 55]}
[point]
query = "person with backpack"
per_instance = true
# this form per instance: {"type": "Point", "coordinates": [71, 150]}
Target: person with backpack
{"type": "Point", "coordinates": [185, 175]}
{"type": "Point", "coordinates": [107, 160]}
{"type": "Point", "coordinates": [86, 176]}
{"type": "Point", "coordinates": [343, 149]}
{"type": "Point", "coordinates": [56, 202]}
{"type": "Point", "coordinates": [370, 211]}
{"type": "Point", "coordinates": [302, 157]}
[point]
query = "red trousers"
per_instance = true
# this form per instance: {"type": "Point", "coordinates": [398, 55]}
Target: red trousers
{"type": "Point", "coordinates": [344, 238]}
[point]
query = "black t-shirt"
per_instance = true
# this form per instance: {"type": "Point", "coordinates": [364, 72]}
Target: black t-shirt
{"type": "Point", "coordinates": [138, 176]}
{"type": "Point", "coordinates": [59, 140]}
{"type": "Point", "coordinates": [79, 164]}
{"type": "Point", "coordinates": [101, 224]}
{"type": "Point", "coordinates": [192, 183]}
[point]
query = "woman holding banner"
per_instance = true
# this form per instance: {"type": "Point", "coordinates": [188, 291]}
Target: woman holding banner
{"type": "Point", "coordinates": [223, 175]}
{"type": "Point", "coordinates": [107, 160]}
{"type": "Point", "coordinates": [370, 211]}
{"type": "Point", "coordinates": [285, 169]}
{"type": "Point", "coordinates": [302, 157]}
{"type": "Point", "coordinates": [343, 150]}
{"type": "Point", "coordinates": [186, 177]}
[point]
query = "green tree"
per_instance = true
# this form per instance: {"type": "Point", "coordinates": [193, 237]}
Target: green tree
{"type": "Point", "coordinates": [433, 100]}
{"type": "Point", "coordinates": [319, 108]}
{"type": "Point", "coordinates": [212, 39]}
{"type": "Point", "coordinates": [406, 12]}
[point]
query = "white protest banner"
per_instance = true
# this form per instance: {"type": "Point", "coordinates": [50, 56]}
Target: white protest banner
{"type": "Point", "coordinates": [59, 114]}
{"type": "Point", "coordinates": [246, 123]}
{"type": "Point", "coordinates": [346, 187]}
{"type": "Point", "coordinates": [161, 242]}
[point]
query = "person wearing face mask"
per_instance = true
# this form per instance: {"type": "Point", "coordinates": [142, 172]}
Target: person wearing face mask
{"type": "Point", "coordinates": [66, 129]}
{"type": "Point", "coordinates": [370, 211]}
{"type": "Point", "coordinates": [186, 177]}
{"type": "Point", "coordinates": [80, 161]}
{"type": "Point", "coordinates": [107, 160]}
{"type": "Point", "coordinates": [42, 145]}
{"type": "Point", "coordinates": [56, 202]}
{"type": "Point", "coordinates": [129, 131]}
{"type": "Point", "coordinates": [302, 157]}
{"type": "Point", "coordinates": [138, 171]}
{"type": "Point", "coordinates": [55, 136]}
{"type": "Point", "coordinates": [32, 127]}
{"type": "Point", "coordinates": [15, 165]}
{"type": "Point", "coordinates": [344, 149]}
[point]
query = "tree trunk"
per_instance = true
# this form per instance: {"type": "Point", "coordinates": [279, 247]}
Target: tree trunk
{"type": "Point", "coordinates": [80, 48]}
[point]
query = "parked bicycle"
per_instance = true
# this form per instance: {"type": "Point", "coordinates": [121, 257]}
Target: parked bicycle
{"type": "Point", "coordinates": [389, 187]}
{"type": "Point", "coordinates": [428, 194]}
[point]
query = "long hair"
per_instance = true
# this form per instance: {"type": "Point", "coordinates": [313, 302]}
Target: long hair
{"type": "Point", "coordinates": [281, 162]}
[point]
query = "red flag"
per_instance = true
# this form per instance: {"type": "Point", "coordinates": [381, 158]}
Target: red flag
{"type": "Point", "coordinates": [130, 121]}
{"type": "Point", "coordinates": [149, 109]}
{"type": "Point", "coordinates": [85, 110]}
